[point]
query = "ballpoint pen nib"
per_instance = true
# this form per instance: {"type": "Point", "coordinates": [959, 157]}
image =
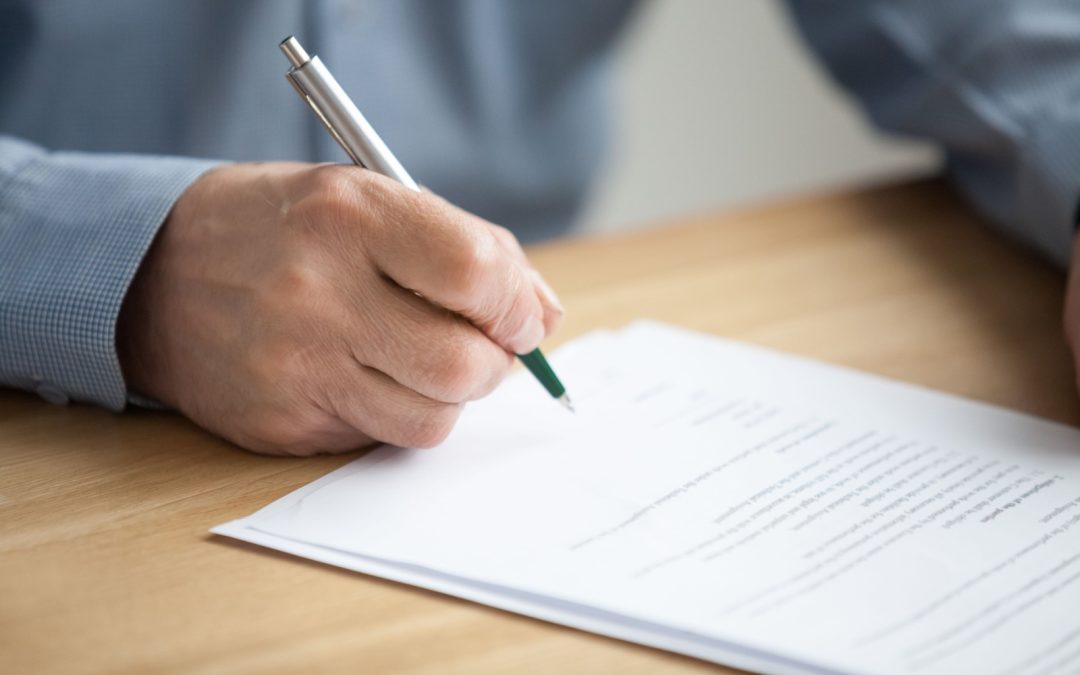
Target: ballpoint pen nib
{"type": "Point", "coordinates": [565, 400]}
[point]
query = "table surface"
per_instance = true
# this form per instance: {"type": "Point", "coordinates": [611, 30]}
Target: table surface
{"type": "Point", "coordinates": [105, 560]}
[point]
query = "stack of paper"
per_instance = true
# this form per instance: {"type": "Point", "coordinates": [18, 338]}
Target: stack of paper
{"type": "Point", "coordinates": [730, 503]}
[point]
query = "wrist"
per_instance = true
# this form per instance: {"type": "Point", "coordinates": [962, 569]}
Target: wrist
{"type": "Point", "coordinates": [135, 336]}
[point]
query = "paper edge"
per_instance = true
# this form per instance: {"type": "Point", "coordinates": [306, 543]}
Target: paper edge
{"type": "Point", "coordinates": [717, 652]}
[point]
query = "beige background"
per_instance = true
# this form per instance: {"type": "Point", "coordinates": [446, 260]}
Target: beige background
{"type": "Point", "coordinates": [721, 105]}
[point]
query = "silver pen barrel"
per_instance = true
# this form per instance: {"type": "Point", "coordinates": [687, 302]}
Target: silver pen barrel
{"type": "Point", "coordinates": [340, 115]}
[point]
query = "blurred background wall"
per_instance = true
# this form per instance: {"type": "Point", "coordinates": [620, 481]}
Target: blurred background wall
{"type": "Point", "coordinates": [720, 105]}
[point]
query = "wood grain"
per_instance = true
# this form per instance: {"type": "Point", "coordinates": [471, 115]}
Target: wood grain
{"type": "Point", "coordinates": [105, 561]}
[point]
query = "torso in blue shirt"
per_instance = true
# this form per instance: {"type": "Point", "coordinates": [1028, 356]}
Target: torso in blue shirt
{"type": "Point", "coordinates": [498, 105]}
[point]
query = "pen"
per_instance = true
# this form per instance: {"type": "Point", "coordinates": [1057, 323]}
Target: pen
{"type": "Point", "coordinates": [310, 78]}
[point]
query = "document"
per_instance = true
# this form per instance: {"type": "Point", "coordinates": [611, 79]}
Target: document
{"type": "Point", "coordinates": [730, 503]}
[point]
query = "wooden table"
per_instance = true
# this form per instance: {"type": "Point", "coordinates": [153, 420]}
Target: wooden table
{"type": "Point", "coordinates": [105, 561]}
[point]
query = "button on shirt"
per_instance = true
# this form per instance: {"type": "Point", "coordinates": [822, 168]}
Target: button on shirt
{"type": "Point", "coordinates": [110, 109]}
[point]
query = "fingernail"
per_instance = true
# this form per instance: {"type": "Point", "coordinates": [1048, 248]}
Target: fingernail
{"type": "Point", "coordinates": [548, 293]}
{"type": "Point", "coordinates": [529, 337]}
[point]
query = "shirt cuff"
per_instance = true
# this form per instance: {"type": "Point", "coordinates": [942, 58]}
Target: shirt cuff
{"type": "Point", "coordinates": [74, 229]}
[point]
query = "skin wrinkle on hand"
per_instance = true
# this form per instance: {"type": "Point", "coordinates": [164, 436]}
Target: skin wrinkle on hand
{"type": "Point", "coordinates": [269, 309]}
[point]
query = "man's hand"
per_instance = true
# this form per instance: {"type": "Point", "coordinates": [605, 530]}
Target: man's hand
{"type": "Point", "coordinates": [296, 309]}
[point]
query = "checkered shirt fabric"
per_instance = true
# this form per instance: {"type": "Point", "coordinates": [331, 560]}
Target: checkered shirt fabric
{"type": "Point", "coordinates": [73, 231]}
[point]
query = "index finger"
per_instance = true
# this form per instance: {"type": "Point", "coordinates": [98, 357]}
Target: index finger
{"type": "Point", "coordinates": [454, 260]}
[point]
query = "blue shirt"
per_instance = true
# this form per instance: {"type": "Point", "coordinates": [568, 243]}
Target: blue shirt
{"type": "Point", "coordinates": [499, 105]}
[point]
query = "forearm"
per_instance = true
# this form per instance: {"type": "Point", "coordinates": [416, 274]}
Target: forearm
{"type": "Point", "coordinates": [994, 85]}
{"type": "Point", "coordinates": [73, 230]}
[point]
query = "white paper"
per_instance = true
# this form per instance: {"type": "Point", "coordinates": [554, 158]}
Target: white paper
{"type": "Point", "coordinates": [733, 504]}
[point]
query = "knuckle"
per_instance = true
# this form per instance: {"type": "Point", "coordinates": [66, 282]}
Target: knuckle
{"type": "Point", "coordinates": [461, 369]}
{"type": "Point", "coordinates": [432, 428]}
{"type": "Point", "coordinates": [314, 211]}
{"type": "Point", "coordinates": [329, 196]}
{"type": "Point", "coordinates": [505, 236]}
{"type": "Point", "coordinates": [319, 211]}
{"type": "Point", "coordinates": [331, 180]}
{"type": "Point", "coordinates": [296, 284]}
{"type": "Point", "coordinates": [520, 308]}
{"type": "Point", "coordinates": [493, 377]}
{"type": "Point", "coordinates": [473, 263]}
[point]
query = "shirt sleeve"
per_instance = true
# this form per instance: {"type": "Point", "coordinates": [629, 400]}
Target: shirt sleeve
{"type": "Point", "coordinates": [74, 228]}
{"type": "Point", "coordinates": [996, 84]}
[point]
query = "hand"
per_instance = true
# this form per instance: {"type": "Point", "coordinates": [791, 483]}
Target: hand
{"type": "Point", "coordinates": [295, 309]}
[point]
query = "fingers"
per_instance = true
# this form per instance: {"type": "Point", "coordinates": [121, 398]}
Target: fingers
{"type": "Point", "coordinates": [282, 322]}
{"type": "Point", "coordinates": [368, 399]}
{"type": "Point", "coordinates": [385, 363]}
{"type": "Point", "coordinates": [553, 309]}
{"type": "Point", "coordinates": [456, 261]}
{"type": "Point", "coordinates": [428, 349]}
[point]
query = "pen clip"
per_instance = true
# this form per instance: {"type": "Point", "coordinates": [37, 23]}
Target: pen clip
{"type": "Point", "coordinates": [322, 118]}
